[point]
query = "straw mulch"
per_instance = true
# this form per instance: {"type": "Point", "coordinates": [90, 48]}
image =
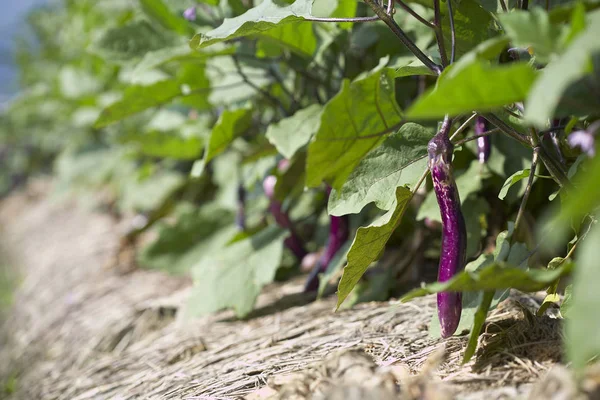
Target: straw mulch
{"type": "Point", "coordinates": [80, 329]}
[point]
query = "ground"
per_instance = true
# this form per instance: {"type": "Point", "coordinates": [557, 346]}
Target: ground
{"type": "Point", "coordinates": [80, 328]}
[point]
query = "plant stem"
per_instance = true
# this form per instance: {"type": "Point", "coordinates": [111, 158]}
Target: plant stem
{"type": "Point", "coordinates": [534, 162]}
{"type": "Point", "coordinates": [503, 5]}
{"type": "Point", "coordinates": [389, 21]}
{"type": "Point", "coordinates": [439, 35]}
{"type": "Point", "coordinates": [464, 126]}
{"type": "Point", "coordinates": [266, 94]}
{"type": "Point", "coordinates": [354, 19]}
{"type": "Point", "coordinates": [506, 129]}
{"type": "Point", "coordinates": [475, 137]}
{"type": "Point", "coordinates": [412, 12]}
{"type": "Point", "coordinates": [452, 31]}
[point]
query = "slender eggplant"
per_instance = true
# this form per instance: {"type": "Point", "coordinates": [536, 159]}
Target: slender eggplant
{"type": "Point", "coordinates": [454, 236]}
{"type": "Point", "coordinates": [484, 143]}
{"type": "Point", "coordinates": [292, 242]}
{"type": "Point", "coordinates": [338, 235]}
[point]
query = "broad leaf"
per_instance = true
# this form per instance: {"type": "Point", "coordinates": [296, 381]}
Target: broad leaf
{"type": "Point", "coordinates": [260, 19]}
{"type": "Point", "coordinates": [558, 75]}
{"type": "Point", "coordinates": [478, 86]}
{"type": "Point", "coordinates": [165, 144]}
{"type": "Point", "coordinates": [181, 53]}
{"type": "Point", "coordinates": [532, 29]}
{"type": "Point", "coordinates": [158, 11]}
{"type": "Point", "coordinates": [581, 327]}
{"type": "Point", "coordinates": [232, 277]}
{"type": "Point", "coordinates": [354, 122]}
{"type": "Point", "coordinates": [369, 243]}
{"type": "Point", "coordinates": [231, 124]}
{"type": "Point", "coordinates": [499, 275]}
{"type": "Point", "coordinates": [190, 83]}
{"type": "Point", "coordinates": [472, 23]}
{"type": "Point", "coordinates": [399, 161]}
{"type": "Point", "coordinates": [297, 37]}
{"type": "Point", "coordinates": [195, 234]}
{"type": "Point", "coordinates": [290, 134]}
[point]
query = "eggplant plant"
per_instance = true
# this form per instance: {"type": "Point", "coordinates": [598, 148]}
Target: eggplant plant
{"type": "Point", "coordinates": [182, 111]}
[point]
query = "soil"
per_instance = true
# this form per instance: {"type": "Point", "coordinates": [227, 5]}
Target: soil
{"type": "Point", "coordinates": [81, 328]}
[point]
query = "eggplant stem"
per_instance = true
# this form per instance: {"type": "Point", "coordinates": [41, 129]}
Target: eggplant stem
{"type": "Point", "coordinates": [452, 31]}
{"type": "Point", "coordinates": [439, 35]}
{"type": "Point", "coordinates": [464, 126]}
{"type": "Point", "coordinates": [534, 162]}
{"type": "Point", "coordinates": [412, 12]}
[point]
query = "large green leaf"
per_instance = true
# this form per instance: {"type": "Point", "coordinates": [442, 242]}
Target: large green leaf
{"type": "Point", "coordinates": [181, 53]}
{"type": "Point", "coordinates": [298, 37]}
{"type": "Point", "coordinates": [354, 122]}
{"type": "Point", "coordinates": [290, 134]}
{"type": "Point", "coordinates": [369, 243]}
{"type": "Point", "coordinates": [232, 277]}
{"type": "Point", "coordinates": [231, 124]}
{"type": "Point", "coordinates": [158, 11]}
{"type": "Point", "coordinates": [196, 233]}
{"type": "Point", "coordinates": [472, 23]}
{"type": "Point", "coordinates": [499, 275]}
{"type": "Point", "coordinates": [399, 161]}
{"type": "Point", "coordinates": [559, 74]}
{"type": "Point", "coordinates": [478, 86]}
{"type": "Point", "coordinates": [583, 343]}
{"type": "Point", "coordinates": [511, 180]}
{"type": "Point", "coordinates": [165, 144]}
{"type": "Point", "coordinates": [532, 29]}
{"type": "Point", "coordinates": [260, 19]}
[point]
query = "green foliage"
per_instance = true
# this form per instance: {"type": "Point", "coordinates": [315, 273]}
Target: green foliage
{"type": "Point", "coordinates": [181, 121]}
{"type": "Point", "coordinates": [354, 122]}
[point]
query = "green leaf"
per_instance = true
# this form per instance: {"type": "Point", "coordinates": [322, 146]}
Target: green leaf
{"type": "Point", "coordinates": [233, 277]}
{"type": "Point", "coordinates": [231, 124]}
{"type": "Point", "coordinates": [399, 161]}
{"type": "Point", "coordinates": [511, 180]}
{"type": "Point", "coordinates": [532, 29]}
{"type": "Point", "coordinates": [582, 342]}
{"type": "Point", "coordinates": [478, 86]}
{"type": "Point", "coordinates": [559, 74]}
{"type": "Point", "coordinates": [567, 303]}
{"type": "Point", "coordinates": [196, 233]}
{"type": "Point", "coordinates": [260, 19]}
{"type": "Point", "coordinates": [499, 275]}
{"type": "Point", "coordinates": [148, 194]}
{"type": "Point", "coordinates": [290, 134]}
{"type": "Point", "coordinates": [165, 144]}
{"type": "Point", "coordinates": [159, 12]}
{"type": "Point", "coordinates": [298, 37]}
{"type": "Point", "coordinates": [480, 317]}
{"type": "Point", "coordinates": [181, 53]}
{"type": "Point", "coordinates": [472, 23]}
{"type": "Point", "coordinates": [134, 39]}
{"type": "Point", "coordinates": [335, 266]}
{"type": "Point", "coordinates": [353, 122]}
{"type": "Point", "coordinates": [138, 98]}
{"type": "Point", "coordinates": [369, 242]}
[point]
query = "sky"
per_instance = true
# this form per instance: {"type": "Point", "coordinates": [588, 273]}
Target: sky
{"type": "Point", "coordinates": [12, 13]}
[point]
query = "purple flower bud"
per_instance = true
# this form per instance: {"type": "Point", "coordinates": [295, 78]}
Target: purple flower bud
{"type": "Point", "coordinates": [584, 140]}
{"type": "Point", "coordinates": [190, 14]}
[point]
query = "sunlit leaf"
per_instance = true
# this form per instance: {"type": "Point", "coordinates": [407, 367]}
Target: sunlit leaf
{"type": "Point", "coordinates": [290, 134]}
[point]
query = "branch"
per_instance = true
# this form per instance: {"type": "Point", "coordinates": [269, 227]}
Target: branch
{"type": "Point", "coordinates": [389, 21]}
{"type": "Point", "coordinates": [439, 35]}
{"type": "Point", "coordinates": [452, 31]}
{"type": "Point", "coordinates": [534, 162]}
{"type": "Point", "coordinates": [412, 12]}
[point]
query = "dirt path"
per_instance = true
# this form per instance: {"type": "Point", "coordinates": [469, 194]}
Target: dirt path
{"type": "Point", "coordinates": [80, 330]}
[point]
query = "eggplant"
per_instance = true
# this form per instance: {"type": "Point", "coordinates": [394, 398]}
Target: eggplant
{"type": "Point", "coordinates": [338, 235]}
{"type": "Point", "coordinates": [454, 235]}
{"type": "Point", "coordinates": [292, 242]}
{"type": "Point", "coordinates": [484, 143]}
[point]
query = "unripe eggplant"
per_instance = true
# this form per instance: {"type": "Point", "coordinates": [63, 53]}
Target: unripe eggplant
{"type": "Point", "coordinates": [292, 242]}
{"type": "Point", "coordinates": [484, 143]}
{"type": "Point", "coordinates": [454, 235]}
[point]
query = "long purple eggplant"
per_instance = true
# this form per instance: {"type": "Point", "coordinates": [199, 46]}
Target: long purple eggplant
{"type": "Point", "coordinates": [292, 242]}
{"type": "Point", "coordinates": [338, 235]}
{"type": "Point", "coordinates": [484, 143]}
{"type": "Point", "coordinates": [454, 235]}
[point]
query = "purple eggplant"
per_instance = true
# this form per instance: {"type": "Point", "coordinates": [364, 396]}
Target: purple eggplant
{"type": "Point", "coordinates": [484, 143]}
{"type": "Point", "coordinates": [338, 235]}
{"type": "Point", "coordinates": [454, 235]}
{"type": "Point", "coordinates": [292, 242]}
